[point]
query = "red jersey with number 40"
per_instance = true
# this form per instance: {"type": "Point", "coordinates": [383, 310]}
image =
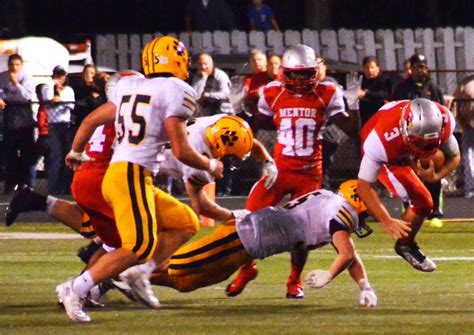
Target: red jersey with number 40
{"type": "Point", "coordinates": [298, 119]}
{"type": "Point", "coordinates": [100, 147]}
{"type": "Point", "coordinates": [381, 136]}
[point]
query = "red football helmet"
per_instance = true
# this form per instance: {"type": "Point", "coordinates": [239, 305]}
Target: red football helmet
{"type": "Point", "coordinates": [421, 126]}
{"type": "Point", "coordinates": [300, 68]}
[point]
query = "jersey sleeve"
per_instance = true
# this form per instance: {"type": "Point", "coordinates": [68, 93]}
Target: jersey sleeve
{"type": "Point", "coordinates": [336, 105]}
{"type": "Point", "coordinates": [181, 100]}
{"type": "Point", "coordinates": [263, 106]}
{"type": "Point", "coordinates": [374, 158]}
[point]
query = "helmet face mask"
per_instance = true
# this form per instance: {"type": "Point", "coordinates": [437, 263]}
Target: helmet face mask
{"type": "Point", "coordinates": [421, 127]}
{"type": "Point", "coordinates": [166, 54]}
{"type": "Point", "coordinates": [230, 139]}
{"type": "Point", "coordinates": [300, 68]}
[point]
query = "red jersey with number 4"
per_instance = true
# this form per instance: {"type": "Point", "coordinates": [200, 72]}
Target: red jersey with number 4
{"type": "Point", "coordinates": [100, 147]}
{"type": "Point", "coordinates": [381, 136]}
{"type": "Point", "coordinates": [298, 119]}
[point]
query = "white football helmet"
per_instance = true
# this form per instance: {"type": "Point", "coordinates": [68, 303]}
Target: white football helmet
{"type": "Point", "coordinates": [300, 68]}
{"type": "Point", "coordinates": [421, 126]}
{"type": "Point", "coordinates": [112, 82]}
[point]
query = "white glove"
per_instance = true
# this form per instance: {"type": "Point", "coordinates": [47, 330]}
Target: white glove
{"type": "Point", "coordinates": [270, 170]}
{"type": "Point", "coordinates": [351, 94]}
{"type": "Point", "coordinates": [239, 214]}
{"type": "Point", "coordinates": [78, 156]}
{"type": "Point", "coordinates": [318, 278]}
{"type": "Point", "coordinates": [368, 298]}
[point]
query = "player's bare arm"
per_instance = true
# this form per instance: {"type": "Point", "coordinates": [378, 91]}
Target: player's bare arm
{"type": "Point", "coordinates": [182, 150]}
{"type": "Point", "coordinates": [104, 114]}
{"type": "Point", "coordinates": [395, 228]}
{"type": "Point", "coordinates": [203, 204]}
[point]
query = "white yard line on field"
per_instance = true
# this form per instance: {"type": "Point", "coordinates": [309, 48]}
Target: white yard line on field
{"type": "Point", "coordinates": [38, 236]}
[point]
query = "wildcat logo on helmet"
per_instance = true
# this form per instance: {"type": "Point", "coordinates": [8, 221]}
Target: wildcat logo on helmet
{"type": "Point", "coordinates": [229, 138]}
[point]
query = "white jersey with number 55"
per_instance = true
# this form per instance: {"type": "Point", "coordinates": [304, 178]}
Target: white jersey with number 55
{"type": "Point", "coordinates": [142, 107]}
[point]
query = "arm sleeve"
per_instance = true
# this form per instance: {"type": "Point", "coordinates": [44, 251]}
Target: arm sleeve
{"type": "Point", "coordinates": [263, 106]}
{"type": "Point", "coordinates": [336, 105]}
{"type": "Point", "coordinates": [369, 169]}
{"type": "Point", "coordinates": [450, 147]}
{"type": "Point", "coordinates": [181, 100]}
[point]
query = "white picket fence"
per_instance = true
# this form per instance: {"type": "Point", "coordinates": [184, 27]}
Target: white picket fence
{"type": "Point", "coordinates": [445, 48]}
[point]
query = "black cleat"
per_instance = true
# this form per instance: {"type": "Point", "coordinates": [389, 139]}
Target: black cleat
{"type": "Point", "coordinates": [24, 199]}
{"type": "Point", "coordinates": [85, 253]}
{"type": "Point", "coordinates": [413, 255]}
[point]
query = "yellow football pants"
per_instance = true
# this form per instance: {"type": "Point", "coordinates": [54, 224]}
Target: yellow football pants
{"type": "Point", "coordinates": [207, 261]}
{"type": "Point", "coordinates": [141, 210]}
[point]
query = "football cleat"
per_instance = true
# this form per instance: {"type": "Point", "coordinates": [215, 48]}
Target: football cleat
{"type": "Point", "coordinates": [85, 253]}
{"type": "Point", "coordinates": [294, 290]}
{"type": "Point", "coordinates": [247, 273]}
{"type": "Point", "coordinates": [123, 288]}
{"type": "Point", "coordinates": [72, 302]}
{"type": "Point", "coordinates": [141, 288]}
{"type": "Point", "coordinates": [436, 223]}
{"type": "Point", "coordinates": [23, 200]}
{"type": "Point", "coordinates": [413, 255]}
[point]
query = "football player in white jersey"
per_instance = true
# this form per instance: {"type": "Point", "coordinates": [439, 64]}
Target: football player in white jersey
{"type": "Point", "coordinates": [225, 137]}
{"type": "Point", "coordinates": [308, 222]}
{"type": "Point", "coordinates": [147, 113]}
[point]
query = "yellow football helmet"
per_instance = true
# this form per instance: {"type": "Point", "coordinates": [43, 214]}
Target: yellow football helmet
{"type": "Point", "coordinates": [348, 190]}
{"type": "Point", "coordinates": [166, 54]}
{"type": "Point", "coordinates": [230, 135]}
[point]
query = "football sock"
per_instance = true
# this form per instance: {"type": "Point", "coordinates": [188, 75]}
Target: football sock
{"type": "Point", "coordinates": [37, 201]}
{"type": "Point", "coordinates": [295, 275]}
{"type": "Point", "coordinates": [83, 283]}
{"type": "Point", "coordinates": [49, 203]}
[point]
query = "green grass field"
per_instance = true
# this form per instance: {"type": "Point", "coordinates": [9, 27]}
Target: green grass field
{"type": "Point", "coordinates": [409, 301]}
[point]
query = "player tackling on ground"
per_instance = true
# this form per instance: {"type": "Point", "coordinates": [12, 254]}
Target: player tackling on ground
{"type": "Point", "coordinates": [393, 141]}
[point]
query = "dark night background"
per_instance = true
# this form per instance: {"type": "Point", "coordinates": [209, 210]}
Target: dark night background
{"type": "Point", "coordinates": [69, 19]}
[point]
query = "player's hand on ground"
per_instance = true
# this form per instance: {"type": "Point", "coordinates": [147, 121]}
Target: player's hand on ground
{"type": "Point", "coordinates": [368, 298]}
{"type": "Point", "coordinates": [318, 278]}
{"type": "Point", "coordinates": [74, 159]}
{"type": "Point", "coordinates": [397, 228]}
{"type": "Point", "coordinates": [269, 170]}
{"type": "Point", "coordinates": [427, 175]}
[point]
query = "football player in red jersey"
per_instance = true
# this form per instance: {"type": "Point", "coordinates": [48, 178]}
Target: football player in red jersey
{"type": "Point", "coordinates": [297, 106]}
{"type": "Point", "coordinates": [393, 141]}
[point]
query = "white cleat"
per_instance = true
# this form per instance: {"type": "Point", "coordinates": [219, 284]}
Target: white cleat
{"type": "Point", "coordinates": [72, 302]}
{"type": "Point", "coordinates": [413, 255]}
{"type": "Point", "coordinates": [141, 287]}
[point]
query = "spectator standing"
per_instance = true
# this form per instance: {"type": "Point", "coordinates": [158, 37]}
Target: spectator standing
{"type": "Point", "coordinates": [253, 85]}
{"type": "Point", "coordinates": [274, 67]}
{"type": "Point", "coordinates": [375, 89]}
{"type": "Point", "coordinates": [84, 95]}
{"type": "Point", "coordinates": [464, 97]}
{"type": "Point", "coordinates": [15, 97]}
{"type": "Point", "coordinates": [209, 15]}
{"type": "Point", "coordinates": [213, 87]}
{"type": "Point", "coordinates": [60, 132]}
{"type": "Point", "coordinates": [419, 85]}
{"type": "Point", "coordinates": [261, 17]}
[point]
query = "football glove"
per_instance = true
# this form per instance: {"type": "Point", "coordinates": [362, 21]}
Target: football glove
{"type": "Point", "coordinates": [368, 298]}
{"type": "Point", "coordinates": [269, 169]}
{"type": "Point", "coordinates": [318, 278]}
